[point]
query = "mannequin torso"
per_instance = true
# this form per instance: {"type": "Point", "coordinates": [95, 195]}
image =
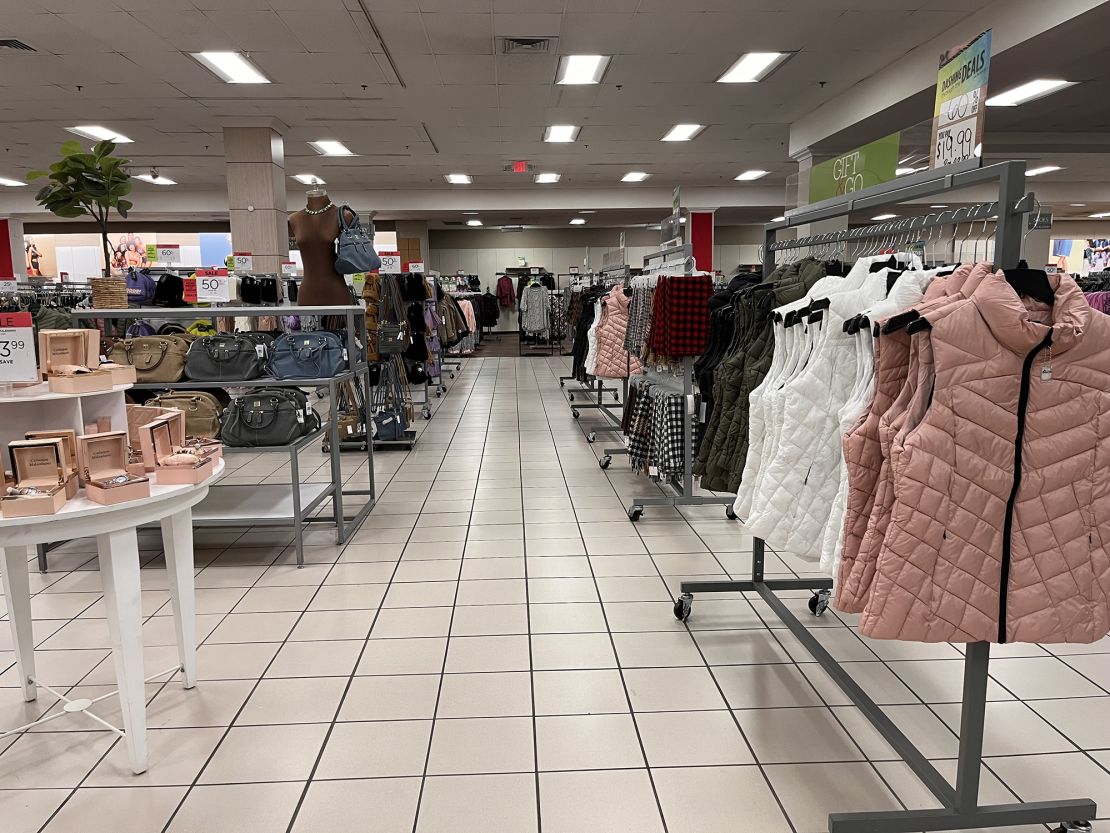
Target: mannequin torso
{"type": "Point", "coordinates": [315, 234]}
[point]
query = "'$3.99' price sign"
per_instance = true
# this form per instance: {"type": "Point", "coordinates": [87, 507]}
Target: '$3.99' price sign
{"type": "Point", "coordinates": [17, 348]}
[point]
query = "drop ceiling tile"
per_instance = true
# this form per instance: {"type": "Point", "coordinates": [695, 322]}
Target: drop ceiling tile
{"type": "Point", "coordinates": [533, 25]}
{"type": "Point", "coordinates": [327, 31]}
{"type": "Point", "coordinates": [478, 6]}
{"type": "Point", "coordinates": [466, 69]}
{"type": "Point", "coordinates": [459, 34]}
{"type": "Point", "coordinates": [403, 33]}
{"type": "Point", "coordinates": [526, 69]}
{"type": "Point", "coordinates": [591, 33]}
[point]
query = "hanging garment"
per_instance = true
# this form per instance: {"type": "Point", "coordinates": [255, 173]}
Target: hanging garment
{"type": "Point", "coordinates": [591, 336]}
{"type": "Point", "coordinates": [613, 361]}
{"type": "Point", "coordinates": [1002, 477]}
{"type": "Point", "coordinates": [535, 310]}
{"type": "Point", "coordinates": [680, 316]}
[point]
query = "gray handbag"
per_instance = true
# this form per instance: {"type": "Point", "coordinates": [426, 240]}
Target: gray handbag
{"type": "Point", "coordinates": [314, 355]}
{"type": "Point", "coordinates": [356, 247]}
{"type": "Point", "coordinates": [268, 417]}
{"type": "Point", "coordinates": [224, 358]}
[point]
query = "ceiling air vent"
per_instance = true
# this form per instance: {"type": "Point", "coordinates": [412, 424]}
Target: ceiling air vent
{"type": "Point", "coordinates": [526, 46]}
{"type": "Point", "coordinates": [12, 43]}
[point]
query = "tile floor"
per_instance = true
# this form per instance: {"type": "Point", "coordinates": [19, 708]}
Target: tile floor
{"type": "Point", "coordinates": [495, 651]}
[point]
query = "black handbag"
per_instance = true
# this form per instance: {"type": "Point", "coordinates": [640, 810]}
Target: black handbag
{"type": "Point", "coordinates": [257, 337]}
{"type": "Point", "coordinates": [268, 417]}
{"type": "Point", "coordinates": [390, 426]}
{"type": "Point", "coordinates": [169, 291]}
{"type": "Point", "coordinates": [250, 290]}
{"type": "Point", "coordinates": [312, 355]}
{"type": "Point", "coordinates": [224, 358]}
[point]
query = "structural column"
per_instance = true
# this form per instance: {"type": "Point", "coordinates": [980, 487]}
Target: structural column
{"type": "Point", "coordinates": [256, 194]}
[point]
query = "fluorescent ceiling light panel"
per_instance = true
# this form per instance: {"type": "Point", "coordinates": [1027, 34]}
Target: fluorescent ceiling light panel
{"type": "Point", "coordinates": [582, 69]}
{"type": "Point", "coordinates": [1043, 169]}
{"type": "Point", "coordinates": [1078, 205]}
{"type": "Point", "coordinates": [471, 212]}
{"type": "Point", "coordinates": [308, 179]}
{"type": "Point", "coordinates": [938, 206]}
{"type": "Point", "coordinates": [683, 132]}
{"type": "Point", "coordinates": [885, 217]}
{"type": "Point", "coordinates": [578, 221]}
{"type": "Point", "coordinates": [330, 147]}
{"type": "Point", "coordinates": [752, 67]}
{"type": "Point", "coordinates": [561, 133]}
{"type": "Point", "coordinates": [11, 183]}
{"type": "Point", "coordinates": [474, 222]}
{"type": "Point", "coordinates": [98, 133]}
{"type": "Point", "coordinates": [231, 67]}
{"type": "Point", "coordinates": [634, 176]}
{"type": "Point", "coordinates": [159, 180]}
{"type": "Point", "coordinates": [777, 219]}
{"type": "Point", "coordinates": [458, 179]}
{"type": "Point", "coordinates": [544, 179]}
{"type": "Point", "coordinates": [750, 176]}
{"type": "Point", "coordinates": [1101, 216]}
{"type": "Point", "coordinates": [1030, 91]}
{"type": "Point", "coordinates": [588, 211]}
{"type": "Point", "coordinates": [903, 171]}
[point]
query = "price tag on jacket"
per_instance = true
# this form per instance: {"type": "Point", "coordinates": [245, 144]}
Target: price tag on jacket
{"type": "Point", "coordinates": [17, 348]}
{"type": "Point", "coordinates": [243, 262]}
{"type": "Point", "coordinates": [169, 253]}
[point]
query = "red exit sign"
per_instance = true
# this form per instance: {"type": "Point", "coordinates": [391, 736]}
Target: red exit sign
{"type": "Point", "coordinates": [520, 167]}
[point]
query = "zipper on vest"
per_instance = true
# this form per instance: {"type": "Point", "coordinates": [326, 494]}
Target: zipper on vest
{"type": "Point", "coordinates": [1008, 526]}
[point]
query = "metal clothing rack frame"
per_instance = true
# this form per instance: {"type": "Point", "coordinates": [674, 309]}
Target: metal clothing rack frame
{"type": "Point", "coordinates": [278, 504]}
{"type": "Point", "coordinates": [960, 808]}
{"type": "Point", "coordinates": [684, 491]}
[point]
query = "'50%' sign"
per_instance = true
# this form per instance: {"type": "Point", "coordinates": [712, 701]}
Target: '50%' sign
{"type": "Point", "coordinates": [213, 286]}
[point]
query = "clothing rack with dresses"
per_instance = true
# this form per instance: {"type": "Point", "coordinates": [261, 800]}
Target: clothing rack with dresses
{"type": "Point", "coordinates": [539, 328]}
{"type": "Point", "coordinates": [684, 490]}
{"type": "Point", "coordinates": [592, 388]}
{"type": "Point", "coordinates": [959, 803]}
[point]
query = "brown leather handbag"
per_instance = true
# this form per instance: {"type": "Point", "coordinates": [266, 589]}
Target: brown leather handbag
{"type": "Point", "coordinates": [202, 410]}
{"type": "Point", "coordinates": [155, 358]}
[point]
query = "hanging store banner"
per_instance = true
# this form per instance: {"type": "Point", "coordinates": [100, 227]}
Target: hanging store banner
{"type": "Point", "coordinates": [855, 170]}
{"type": "Point", "coordinates": [959, 115]}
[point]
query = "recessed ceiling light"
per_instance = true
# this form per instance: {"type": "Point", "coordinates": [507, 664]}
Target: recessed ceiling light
{"type": "Point", "coordinates": [578, 221]}
{"type": "Point", "coordinates": [1079, 205]}
{"type": "Point", "coordinates": [588, 211]}
{"type": "Point", "coordinates": [634, 176]}
{"type": "Point", "coordinates": [458, 179]}
{"type": "Point", "coordinates": [100, 134]}
{"type": "Point", "coordinates": [683, 132]}
{"type": "Point", "coordinates": [330, 147]}
{"type": "Point", "coordinates": [749, 176]}
{"type": "Point", "coordinates": [308, 179]}
{"type": "Point", "coordinates": [544, 179]}
{"type": "Point", "coordinates": [885, 217]}
{"type": "Point", "coordinates": [1030, 91]}
{"type": "Point", "coordinates": [777, 219]}
{"type": "Point", "coordinates": [11, 183]}
{"type": "Point", "coordinates": [1101, 215]}
{"type": "Point", "coordinates": [474, 222]}
{"type": "Point", "coordinates": [231, 67]}
{"type": "Point", "coordinates": [682, 219]}
{"type": "Point", "coordinates": [938, 206]}
{"type": "Point", "coordinates": [155, 180]}
{"type": "Point", "coordinates": [561, 133]}
{"type": "Point", "coordinates": [471, 212]}
{"type": "Point", "coordinates": [1043, 169]}
{"type": "Point", "coordinates": [752, 67]}
{"type": "Point", "coordinates": [582, 69]}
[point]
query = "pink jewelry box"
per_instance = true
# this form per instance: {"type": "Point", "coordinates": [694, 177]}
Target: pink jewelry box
{"type": "Point", "coordinates": [104, 459]}
{"type": "Point", "coordinates": [176, 475]}
{"type": "Point", "coordinates": [36, 464]}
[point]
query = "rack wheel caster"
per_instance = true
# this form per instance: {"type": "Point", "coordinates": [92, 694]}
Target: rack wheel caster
{"type": "Point", "coordinates": [570, 397]}
{"type": "Point", "coordinates": [634, 513]}
{"type": "Point", "coordinates": [616, 397]}
{"type": "Point", "coordinates": [426, 413]}
{"type": "Point", "coordinates": [439, 394]}
{"type": "Point", "coordinates": [682, 606]}
{"type": "Point", "coordinates": [562, 384]}
{"type": "Point", "coordinates": [730, 514]}
{"type": "Point", "coordinates": [574, 413]}
{"type": "Point", "coordinates": [819, 602]}
{"type": "Point", "coordinates": [1074, 827]}
{"type": "Point", "coordinates": [591, 437]}
{"type": "Point", "coordinates": [605, 461]}
{"type": "Point", "coordinates": [450, 375]}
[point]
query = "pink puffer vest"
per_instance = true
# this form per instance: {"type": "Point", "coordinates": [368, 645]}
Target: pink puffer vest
{"type": "Point", "coordinates": [613, 361]}
{"type": "Point", "coordinates": [1001, 521]}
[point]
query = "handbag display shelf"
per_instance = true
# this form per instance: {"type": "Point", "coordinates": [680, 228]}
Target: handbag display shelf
{"type": "Point", "coordinates": [282, 504]}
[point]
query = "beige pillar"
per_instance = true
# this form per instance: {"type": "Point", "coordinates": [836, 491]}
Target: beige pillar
{"type": "Point", "coordinates": [256, 194]}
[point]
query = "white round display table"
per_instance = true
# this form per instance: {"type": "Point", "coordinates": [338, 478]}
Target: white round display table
{"type": "Point", "coordinates": [118, 553]}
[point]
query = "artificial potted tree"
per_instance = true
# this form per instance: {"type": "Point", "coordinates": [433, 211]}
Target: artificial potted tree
{"type": "Point", "coordinates": [87, 183]}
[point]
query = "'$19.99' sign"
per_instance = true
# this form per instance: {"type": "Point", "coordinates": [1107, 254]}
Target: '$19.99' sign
{"type": "Point", "coordinates": [17, 348]}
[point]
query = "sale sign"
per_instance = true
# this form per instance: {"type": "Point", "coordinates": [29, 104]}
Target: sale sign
{"type": "Point", "coordinates": [17, 348]}
{"type": "Point", "coordinates": [959, 115]}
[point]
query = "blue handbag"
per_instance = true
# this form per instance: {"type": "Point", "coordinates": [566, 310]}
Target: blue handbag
{"type": "Point", "coordinates": [356, 247]}
{"type": "Point", "coordinates": [314, 355]}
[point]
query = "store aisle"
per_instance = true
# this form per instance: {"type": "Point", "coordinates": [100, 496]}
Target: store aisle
{"type": "Point", "coordinates": [495, 651]}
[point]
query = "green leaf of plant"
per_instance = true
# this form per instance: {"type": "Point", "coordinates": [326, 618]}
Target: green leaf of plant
{"type": "Point", "coordinates": [33, 175]}
{"type": "Point", "coordinates": [71, 147]}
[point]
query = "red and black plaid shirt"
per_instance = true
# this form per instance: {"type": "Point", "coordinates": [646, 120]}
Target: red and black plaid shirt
{"type": "Point", "coordinates": [680, 315]}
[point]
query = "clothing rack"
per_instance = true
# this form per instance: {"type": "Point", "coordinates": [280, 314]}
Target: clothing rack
{"type": "Point", "coordinates": [549, 345]}
{"type": "Point", "coordinates": [615, 273]}
{"type": "Point", "coordinates": [960, 807]}
{"type": "Point", "coordinates": [684, 491]}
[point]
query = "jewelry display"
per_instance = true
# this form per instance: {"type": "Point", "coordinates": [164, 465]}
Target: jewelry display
{"type": "Point", "coordinates": [315, 211]}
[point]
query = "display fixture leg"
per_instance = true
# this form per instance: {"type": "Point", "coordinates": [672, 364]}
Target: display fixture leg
{"type": "Point", "coordinates": [177, 540]}
{"type": "Point", "coordinates": [336, 474]}
{"type": "Point", "coordinates": [40, 550]}
{"type": "Point", "coordinates": [119, 566]}
{"type": "Point", "coordinates": [298, 521]}
{"type": "Point", "coordinates": [17, 590]}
